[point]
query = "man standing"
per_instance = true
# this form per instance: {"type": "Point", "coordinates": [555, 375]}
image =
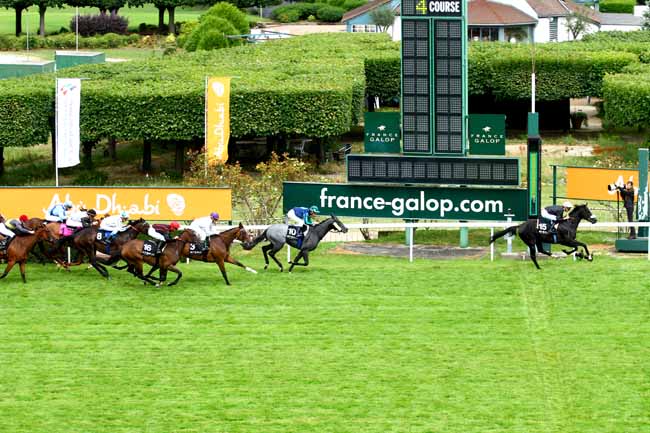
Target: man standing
{"type": "Point", "coordinates": [627, 194]}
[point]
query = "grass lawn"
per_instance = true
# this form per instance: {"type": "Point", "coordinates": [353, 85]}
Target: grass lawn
{"type": "Point", "coordinates": [56, 18]}
{"type": "Point", "coordinates": [349, 344]}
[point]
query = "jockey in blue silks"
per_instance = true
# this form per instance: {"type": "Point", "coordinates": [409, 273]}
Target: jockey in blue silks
{"type": "Point", "coordinates": [58, 212]}
{"type": "Point", "coordinates": [302, 217]}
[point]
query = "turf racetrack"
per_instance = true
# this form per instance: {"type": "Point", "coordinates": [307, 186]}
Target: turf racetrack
{"type": "Point", "coordinates": [349, 344]}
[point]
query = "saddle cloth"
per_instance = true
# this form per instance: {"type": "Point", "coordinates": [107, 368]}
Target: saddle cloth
{"type": "Point", "coordinates": [64, 230]}
{"type": "Point", "coordinates": [544, 226]}
{"type": "Point", "coordinates": [294, 232]}
{"type": "Point", "coordinates": [149, 248]}
{"type": "Point", "coordinates": [196, 249]}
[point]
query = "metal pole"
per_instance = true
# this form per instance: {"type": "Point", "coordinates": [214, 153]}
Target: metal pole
{"type": "Point", "coordinates": [76, 24]}
{"type": "Point", "coordinates": [205, 128]}
{"type": "Point", "coordinates": [69, 258]}
{"type": "Point", "coordinates": [509, 237]}
{"type": "Point", "coordinates": [288, 254]}
{"type": "Point", "coordinates": [411, 244]}
{"type": "Point", "coordinates": [492, 244]}
{"type": "Point", "coordinates": [56, 133]}
{"type": "Point", "coordinates": [554, 185]}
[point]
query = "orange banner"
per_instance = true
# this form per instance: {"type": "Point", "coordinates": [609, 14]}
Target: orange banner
{"type": "Point", "coordinates": [182, 204]}
{"type": "Point", "coordinates": [591, 183]}
{"type": "Point", "coordinates": [217, 118]}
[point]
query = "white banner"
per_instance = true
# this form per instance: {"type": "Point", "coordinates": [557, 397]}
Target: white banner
{"type": "Point", "coordinates": [68, 103]}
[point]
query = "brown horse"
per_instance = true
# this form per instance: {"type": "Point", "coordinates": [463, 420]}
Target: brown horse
{"type": "Point", "coordinates": [219, 251]}
{"type": "Point", "coordinates": [20, 247]}
{"type": "Point", "coordinates": [132, 254]}
{"type": "Point", "coordinates": [51, 253]}
{"type": "Point", "coordinates": [86, 240]}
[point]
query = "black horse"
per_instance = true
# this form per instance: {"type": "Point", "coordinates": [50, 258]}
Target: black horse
{"type": "Point", "coordinates": [276, 234]}
{"type": "Point", "coordinates": [566, 234]}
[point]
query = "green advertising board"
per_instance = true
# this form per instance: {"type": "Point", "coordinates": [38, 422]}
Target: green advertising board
{"type": "Point", "coordinates": [487, 134]}
{"type": "Point", "coordinates": [382, 132]}
{"type": "Point", "coordinates": [410, 202]}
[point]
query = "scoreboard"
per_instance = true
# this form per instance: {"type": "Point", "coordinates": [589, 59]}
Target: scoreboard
{"type": "Point", "coordinates": [434, 77]}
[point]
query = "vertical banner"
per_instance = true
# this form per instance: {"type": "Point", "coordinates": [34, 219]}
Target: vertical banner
{"type": "Point", "coordinates": [68, 103]}
{"type": "Point", "coordinates": [217, 118]}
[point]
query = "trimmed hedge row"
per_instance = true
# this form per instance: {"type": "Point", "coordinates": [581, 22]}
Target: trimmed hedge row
{"type": "Point", "coordinates": [618, 6]}
{"type": "Point", "coordinates": [627, 99]}
{"type": "Point", "coordinates": [303, 86]}
{"type": "Point", "coordinates": [66, 40]}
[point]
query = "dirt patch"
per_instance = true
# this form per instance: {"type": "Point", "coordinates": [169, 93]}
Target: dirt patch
{"type": "Point", "coordinates": [419, 251]}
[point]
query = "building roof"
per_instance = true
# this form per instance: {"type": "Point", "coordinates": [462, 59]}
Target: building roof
{"type": "Point", "coordinates": [485, 12]}
{"type": "Point", "coordinates": [589, 13]}
{"type": "Point", "coordinates": [371, 5]}
{"type": "Point", "coordinates": [620, 20]}
{"type": "Point", "coordinates": [549, 8]}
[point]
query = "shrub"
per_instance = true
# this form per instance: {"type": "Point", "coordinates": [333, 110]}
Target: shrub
{"type": "Point", "coordinates": [330, 14]}
{"type": "Point", "coordinates": [348, 5]}
{"type": "Point", "coordinates": [618, 6]}
{"type": "Point", "coordinates": [229, 12]}
{"type": "Point", "coordinates": [147, 29]}
{"type": "Point", "coordinates": [91, 177]}
{"type": "Point", "coordinates": [90, 25]}
{"type": "Point", "coordinates": [213, 29]}
{"type": "Point", "coordinates": [185, 33]}
{"type": "Point", "coordinates": [287, 14]}
{"type": "Point", "coordinates": [212, 40]}
{"type": "Point", "coordinates": [337, 3]}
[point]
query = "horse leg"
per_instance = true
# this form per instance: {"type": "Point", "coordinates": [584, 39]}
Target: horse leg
{"type": "Point", "coordinates": [567, 252]}
{"type": "Point", "coordinates": [233, 261]}
{"type": "Point", "coordinates": [575, 244]}
{"type": "Point", "coordinates": [21, 264]}
{"type": "Point", "coordinates": [153, 269]}
{"type": "Point", "coordinates": [222, 267]}
{"type": "Point", "coordinates": [540, 248]}
{"type": "Point", "coordinates": [533, 255]}
{"type": "Point", "coordinates": [275, 259]}
{"type": "Point", "coordinates": [178, 272]}
{"type": "Point", "coordinates": [10, 264]}
{"type": "Point", "coordinates": [265, 250]}
{"type": "Point", "coordinates": [303, 255]}
{"type": "Point", "coordinates": [101, 269]}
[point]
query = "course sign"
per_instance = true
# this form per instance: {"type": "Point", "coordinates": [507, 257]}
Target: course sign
{"type": "Point", "coordinates": [447, 8]}
{"type": "Point", "coordinates": [407, 202]}
{"type": "Point", "coordinates": [148, 203]}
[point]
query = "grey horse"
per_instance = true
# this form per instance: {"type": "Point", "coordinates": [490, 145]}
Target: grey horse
{"type": "Point", "coordinates": [276, 234]}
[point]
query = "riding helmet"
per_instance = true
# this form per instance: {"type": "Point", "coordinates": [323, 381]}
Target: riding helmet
{"type": "Point", "coordinates": [214, 215]}
{"type": "Point", "coordinates": [124, 215]}
{"type": "Point", "coordinates": [23, 218]}
{"type": "Point", "coordinates": [567, 204]}
{"type": "Point", "coordinates": [314, 209]}
{"type": "Point", "coordinates": [174, 225]}
{"type": "Point", "coordinates": [67, 204]}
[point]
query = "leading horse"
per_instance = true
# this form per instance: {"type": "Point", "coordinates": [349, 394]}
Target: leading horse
{"type": "Point", "coordinates": [276, 234]}
{"type": "Point", "coordinates": [566, 234]}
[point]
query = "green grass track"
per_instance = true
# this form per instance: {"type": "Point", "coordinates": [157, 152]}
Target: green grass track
{"type": "Point", "coordinates": [349, 344]}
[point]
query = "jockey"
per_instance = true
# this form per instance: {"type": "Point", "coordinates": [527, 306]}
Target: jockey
{"type": "Point", "coordinates": [166, 229]}
{"type": "Point", "coordinates": [204, 227]}
{"type": "Point", "coordinates": [153, 233]}
{"type": "Point", "coordinates": [302, 217]}
{"type": "Point", "coordinates": [81, 219]}
{"type": "Point", "coordinates": [557, 213]}
{"type": "Point", "coordinates": [57, 213]}
{"type": "Point", "coordinates": [15, 226]}
{"type": "Point", "coordinates": [114, 223]}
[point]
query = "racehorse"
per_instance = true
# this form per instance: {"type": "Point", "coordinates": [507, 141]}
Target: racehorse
{"type": "Point", "coordinates": [87, 241]}
{"type": "Point", "coordinates": [53, 253]}
{"type": "Point", "coordinates": [276, 234]}
{"type": "Point", "coordinates": [566, 234]}
{"type": "Point", "coordinates": [219, 251]}
{"type": "Point", "coordinates": [132, 253]}
{"type": "Point", "coordinates": [19, 249]}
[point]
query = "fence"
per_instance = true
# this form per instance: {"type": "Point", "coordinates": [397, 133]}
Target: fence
{"type": "Point", "coordinates": [458, 225]}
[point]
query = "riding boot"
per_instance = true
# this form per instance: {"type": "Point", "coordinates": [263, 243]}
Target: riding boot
{"type": "Point", "coordinates": [206, 245]}
{"type": "Point", "coordinates": [159, 247]}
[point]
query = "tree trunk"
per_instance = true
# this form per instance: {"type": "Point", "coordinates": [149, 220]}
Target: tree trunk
{"type": "Point", "coordinates": [172, 25]}
{"type": "Point", "coordinates": [179, 160]}
{"type": "Point", "coordinates": [146, 155]}
{"type": "Point", "coordinates": [87, 149]}
{"type": "Point", "coordinates": [102, 11]}
{"type": "Point", "coordinates": [19, 21]}
{"type": "Point", "coordinates": [2, 160]}
{"type": "Point", "coordinates": [41, 19]}
{"type": "Point", "coordinates": [112, 148]}
{"type": "Point", "coordinates": [161, 18]}
{"type": "Point", "coordinates": [114, 12]}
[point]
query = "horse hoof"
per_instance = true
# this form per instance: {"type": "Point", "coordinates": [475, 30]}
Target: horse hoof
{"type": "Point", "coordinates": [266, 267]}
{"type": "Point", "coordinates": [590, 258]}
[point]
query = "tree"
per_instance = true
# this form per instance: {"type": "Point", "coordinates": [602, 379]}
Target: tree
{"type": "Point", "coordinates": [576, 23]}
{"type": "Point", "coordinates": [42, 7]}
{"type": "Point", "coordinates": [19, 6]}
{"type": "Point", "coordinates": [383, 18]}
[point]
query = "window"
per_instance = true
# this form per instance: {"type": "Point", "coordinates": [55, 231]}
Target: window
{"type": "Point", "coordinates": [364, 28]}
{"type": "Point", "coordinates": [483, 33]}
{"type": "Point", "coordinates": [553, 30]}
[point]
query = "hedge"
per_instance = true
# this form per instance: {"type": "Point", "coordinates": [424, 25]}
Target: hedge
{"type": "Point", "coordinates": [617, 6]}
{"type": "Point", "coordinates": [627, 100]}
{"type": "Point", "coordinates": [66, 41]}
{"type": "Point", "coordinates": [311, 85]}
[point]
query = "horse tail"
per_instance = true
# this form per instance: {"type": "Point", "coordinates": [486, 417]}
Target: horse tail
{"type": "Point", "coordinates": [509, 231]}
{"type": "Point", "coordinates": [250, 245]}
